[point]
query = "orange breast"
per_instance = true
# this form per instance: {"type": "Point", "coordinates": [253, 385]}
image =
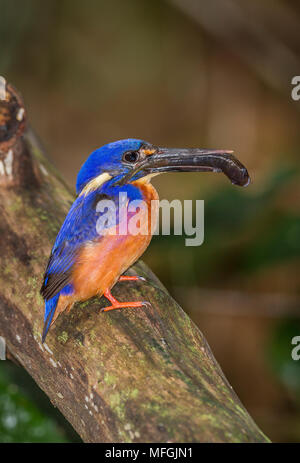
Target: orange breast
{"type": "Point", "coordinates": [100, 264]}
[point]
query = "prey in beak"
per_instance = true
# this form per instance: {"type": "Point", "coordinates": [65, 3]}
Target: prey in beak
{"type": "Point", "coordinates": [151, 160]}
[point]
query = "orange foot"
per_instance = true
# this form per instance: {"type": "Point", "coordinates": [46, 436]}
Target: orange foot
{"type": "Point", "coordinates": [121, 305]}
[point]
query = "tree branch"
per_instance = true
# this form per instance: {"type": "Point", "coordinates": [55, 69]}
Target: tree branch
{"type": "Point", "coordinates": [143, 375]}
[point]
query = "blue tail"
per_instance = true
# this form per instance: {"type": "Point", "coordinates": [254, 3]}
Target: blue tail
{"type": "Point", "coordinates": [50, 306]}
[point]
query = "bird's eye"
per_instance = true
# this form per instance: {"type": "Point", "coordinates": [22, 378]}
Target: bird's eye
{"type": "Point", "coordinates": [131, 156]}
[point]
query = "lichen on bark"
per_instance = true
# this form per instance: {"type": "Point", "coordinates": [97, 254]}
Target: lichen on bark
{"type": "Point", "coordinates": [145, 375]}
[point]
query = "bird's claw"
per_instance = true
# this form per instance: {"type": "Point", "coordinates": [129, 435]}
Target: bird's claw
{"type": "Point", "coordinates": [147, 304]}
{"type": "Point", "coordinates": [124, 305]}
{"type": "Point", "coordinates": [131, 278]}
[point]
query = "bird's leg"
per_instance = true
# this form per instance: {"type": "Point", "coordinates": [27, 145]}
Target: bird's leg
{"type": "Point", "coordinates": [122, 305]}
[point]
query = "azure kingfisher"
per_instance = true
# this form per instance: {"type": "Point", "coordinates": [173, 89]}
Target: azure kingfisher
{"type": "Point", "coordinates": [85, 262]}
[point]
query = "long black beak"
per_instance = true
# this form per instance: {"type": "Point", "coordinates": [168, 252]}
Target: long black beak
{"type": "Point", "coordinates": [197, 160]}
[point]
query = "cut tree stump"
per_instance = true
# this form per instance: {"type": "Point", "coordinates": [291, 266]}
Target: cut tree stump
{"type": "Point", "coordinates": [145, 375]}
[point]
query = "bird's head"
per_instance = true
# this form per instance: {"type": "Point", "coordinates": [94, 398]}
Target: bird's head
{"type": "Point", "coordinates": [129, 160]}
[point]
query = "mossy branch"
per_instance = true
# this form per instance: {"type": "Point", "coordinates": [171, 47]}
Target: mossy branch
{"type": "Point", "coordinates": [143, 375]}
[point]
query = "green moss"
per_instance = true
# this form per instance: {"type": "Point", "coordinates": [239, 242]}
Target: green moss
{"type": "Point", "coordinates": [134, 393]}
{"type": "Point", "coordinates": [39, 298]}
{"type": "Point", "coordinates": [32, 282]}
{"type": "Point", "coordinates": [7, 270]}
{"type": "Point", "coordinates": [63, 337]}
{"type": "Point", "coordinates": [118, 405]}
{"type": "Point", "coordinates": [114, 400]}
{"type": "Point", "coordinates": [93, 335]}
{"type": "Point", "coordinates": [79, 343]}
{"type": "Point", "coordinates": [16, 205]}
{"type": "Point", "coordinates": [84, 304]}
{"type": "Point", "coordinates": [30, 294]}
{"type": "Point", "coordinates": [110, 379]}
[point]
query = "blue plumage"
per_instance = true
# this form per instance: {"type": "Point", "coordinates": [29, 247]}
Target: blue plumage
{"type": "Point", "coordinates": [50, 306]}
{"type": "Point", "coordinates": [106, 159]}
{"type": "Point", "coordinates": [79, 226]}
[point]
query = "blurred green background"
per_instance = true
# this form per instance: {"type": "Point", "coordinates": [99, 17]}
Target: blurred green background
{"type": "Point", "coordinates": [211, 74]}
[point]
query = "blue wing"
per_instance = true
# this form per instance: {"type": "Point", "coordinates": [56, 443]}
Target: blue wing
{"type": "Point", "coordinates": [78, 228]}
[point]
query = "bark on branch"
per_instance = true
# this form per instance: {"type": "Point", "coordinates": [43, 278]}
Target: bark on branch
{"type": "Point", "coordinates": [143, 375]}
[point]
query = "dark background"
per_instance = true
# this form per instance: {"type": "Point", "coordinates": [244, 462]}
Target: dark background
{"type": "Point", "coordinates": [185, 73]}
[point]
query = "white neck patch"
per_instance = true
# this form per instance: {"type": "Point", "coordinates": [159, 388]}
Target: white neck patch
{"type": "Point", "coordinates": [95, 183]}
